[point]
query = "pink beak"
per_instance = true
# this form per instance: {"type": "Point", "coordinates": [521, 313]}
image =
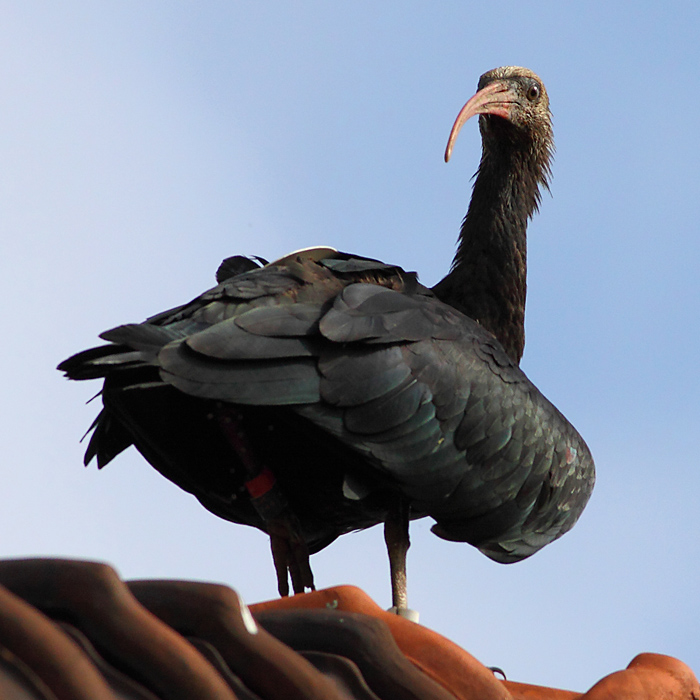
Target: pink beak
{"type": "Point", "coordinates": [496, 98]}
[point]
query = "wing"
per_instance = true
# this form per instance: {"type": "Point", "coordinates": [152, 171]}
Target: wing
{"type": "Point", "coordinates": [251, 340]}
{"type": "Point", "coordinates": [459, 426]}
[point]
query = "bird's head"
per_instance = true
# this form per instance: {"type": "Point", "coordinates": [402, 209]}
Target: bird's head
{"type": "Point", "coordinates": [513, 109]}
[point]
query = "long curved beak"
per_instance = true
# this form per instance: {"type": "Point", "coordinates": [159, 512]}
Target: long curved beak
{"type": "Point", "coordinates": [496, 98]}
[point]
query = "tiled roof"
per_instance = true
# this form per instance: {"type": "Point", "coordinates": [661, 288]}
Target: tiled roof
{"type": "Point", "coordinates": [73, 630]}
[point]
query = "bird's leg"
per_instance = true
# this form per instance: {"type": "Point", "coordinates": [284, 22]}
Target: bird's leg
{"type": "Point", "coordinates": [397, 544]}
{"type": "Point", "coordinates": [289, 551]}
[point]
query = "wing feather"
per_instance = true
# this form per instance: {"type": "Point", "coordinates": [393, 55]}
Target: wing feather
{"type": "Point", "coordinates": [257, 382]}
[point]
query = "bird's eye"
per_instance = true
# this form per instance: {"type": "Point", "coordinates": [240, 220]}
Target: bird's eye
{"type": "Point", "coordinates": [533, 92]}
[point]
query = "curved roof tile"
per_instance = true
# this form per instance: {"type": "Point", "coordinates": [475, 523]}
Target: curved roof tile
{"type": "Point", "coordinates": [73, 630]}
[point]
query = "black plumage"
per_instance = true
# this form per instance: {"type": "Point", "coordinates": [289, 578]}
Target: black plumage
{"type": "Point", "coordinates": [327, 392]}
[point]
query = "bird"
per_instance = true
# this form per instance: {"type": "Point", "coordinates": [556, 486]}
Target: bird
{"type": "Point", "coordinates": [327, 392]}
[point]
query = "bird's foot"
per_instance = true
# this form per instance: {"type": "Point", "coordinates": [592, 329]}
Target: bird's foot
{"type": "Point", "coordinates": [289, 551]}
{"type": "Point", "coordinates": [290, 554]}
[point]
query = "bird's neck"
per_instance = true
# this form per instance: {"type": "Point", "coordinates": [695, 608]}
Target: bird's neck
{"type": "Point", "coordinates": [488, 279]}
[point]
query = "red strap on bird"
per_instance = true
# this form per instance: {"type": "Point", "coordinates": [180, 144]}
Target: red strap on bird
{"type": "Point", "coordinates": [230, 421]}
{"type": "Point", "coordinates": [259, 485]}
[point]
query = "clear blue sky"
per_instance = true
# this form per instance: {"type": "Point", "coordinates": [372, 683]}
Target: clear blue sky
{"type": "Point", "coordinates": [141, 143]}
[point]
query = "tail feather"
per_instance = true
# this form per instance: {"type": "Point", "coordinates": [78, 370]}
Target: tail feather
{"type": "Point", "coordinates": [131, 346]}
{"type": "Point", "coordinates": [109, 438]}
{"type": "Point", "coordinates": [90, 364]}
{"type": "Point", "coordinates": [141, 336]}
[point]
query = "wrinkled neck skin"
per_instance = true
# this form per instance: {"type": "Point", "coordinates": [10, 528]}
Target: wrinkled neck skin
{"type": "Point", "coordinates": [488, 279]}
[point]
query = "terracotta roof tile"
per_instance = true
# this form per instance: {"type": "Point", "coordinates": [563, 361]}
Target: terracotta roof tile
{"type": "Point", "coordinates": [46, 653]}
{"type": "Point", "coordinates": [648, 677]}
{"type": "Point", "coordinates": [72, 630]}
{"type": "Point", "coordinates": [436, 656]}
{"type": "Point", "coordinates": [96, 601]}
{"type": "Point", "coordinates": [215, 614]}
